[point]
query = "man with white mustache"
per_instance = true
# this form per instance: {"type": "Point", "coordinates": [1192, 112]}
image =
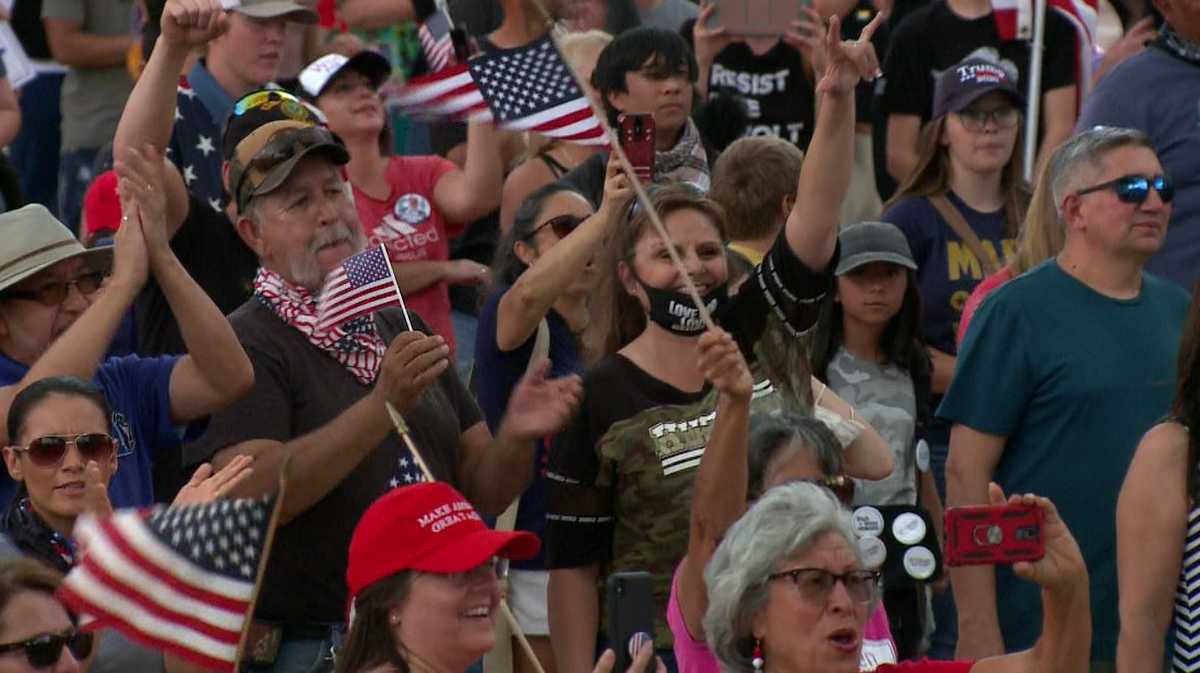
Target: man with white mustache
{"type": "Point", "coordinates": [319, 394]}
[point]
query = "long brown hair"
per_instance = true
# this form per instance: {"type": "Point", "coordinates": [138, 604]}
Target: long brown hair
{"type": "Point", "coordinates": [617, 317]}
{"type": "Point", "coordinates": [932, 175]}
{"type": "Point", "coordinates": [369, 642]}
{"type": "Point", "coordinates": [1186, 407]}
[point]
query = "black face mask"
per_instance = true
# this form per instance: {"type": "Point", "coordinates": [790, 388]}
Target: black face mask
{"type": "Point", "coordinates": [677, 313]}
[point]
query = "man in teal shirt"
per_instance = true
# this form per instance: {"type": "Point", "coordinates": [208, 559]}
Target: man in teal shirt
{"type": "Point", "coordinates": [1061, 372]}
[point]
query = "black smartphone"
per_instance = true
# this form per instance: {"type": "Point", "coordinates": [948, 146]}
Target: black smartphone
{"type": "Point", "coordinates": [630, 611]}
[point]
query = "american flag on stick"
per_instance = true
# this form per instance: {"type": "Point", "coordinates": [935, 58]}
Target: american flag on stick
{"type": "Point", "coordinates": [180, 579]}
{"type": "Point", "coordinates": [529, 88]}
{"type": "Point", "coordinates": [436, 42]}
{"type": "Point", "coordinates": [361, 285]}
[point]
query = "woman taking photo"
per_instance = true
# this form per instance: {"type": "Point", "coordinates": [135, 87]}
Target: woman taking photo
{"type": "Point", "coordinates": [788, 593]}
{"type": "Point", "coordinates": [1157, 515]}
{"type": "Point", "coordinates": [621, 472]}
{"type": "Point", "coordinates": [430, 606]}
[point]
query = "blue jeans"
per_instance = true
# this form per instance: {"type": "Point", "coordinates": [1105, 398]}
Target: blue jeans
{"type": "Point", "coordinates": [301, 655]}
{"type": "Point", "coordinates": [75, 172]}
{"type": "Point", "coordinates": [34, 152]}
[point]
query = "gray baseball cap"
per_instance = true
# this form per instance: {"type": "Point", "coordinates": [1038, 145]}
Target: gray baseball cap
{"type": "Point", "coordinates": [33, 240]}
{"type": "Point", "coordinates": [269, 9]}
{"type": "Point", "coordinates": [868, 242]}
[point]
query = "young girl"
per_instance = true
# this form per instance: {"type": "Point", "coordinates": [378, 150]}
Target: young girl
{"type": "Point", "coordinates": [867, 350]}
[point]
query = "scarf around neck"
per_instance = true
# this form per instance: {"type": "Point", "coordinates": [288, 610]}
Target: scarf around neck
{"type": "Point", "coordinates": [35, 537]}
{"type": "Point", "coordinates": [685, 162]}
{"type": "Point", "coordinates": [356, 344]}
{"type": "Point", "coordinates": [1175, 44]}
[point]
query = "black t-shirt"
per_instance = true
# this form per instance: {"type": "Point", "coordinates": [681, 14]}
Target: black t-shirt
{"type": "Point", "coordinates": [211, 251]}
{"type": "Point", "coordinates": [934, 38]}
{"type": "Point", "coordinates": [298, 389]}
{"type": "Point", "coordinates": [779, 96]}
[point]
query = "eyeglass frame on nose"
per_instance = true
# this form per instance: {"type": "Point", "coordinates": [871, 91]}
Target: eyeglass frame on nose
{"type": "Point", "coordinates": [1123, 188]}
{"type": "Point", "coordinates": [977, 120]}
{"type": "Point", "coordinates": [79, 644]}
{"type": "Point", "coordinates": [42, 293]}
{"type": "Point", "coordinates": [870, 581]}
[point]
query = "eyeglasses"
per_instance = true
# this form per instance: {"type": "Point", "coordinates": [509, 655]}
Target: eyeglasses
{"type": "Point", "coordinates": [815, 584]}
{"type": "Point", "coordinates": [1136, 188]}
{"type": "Point", "coordinates": [561, 225]}
{"type": "Point", "coordinates": [54, 294]}
{"type": "Point", "coordinates": [45, 650]}
{"type": "Point", "coordinates": [976, 120]}
{"type": "Point", "coordinates": [841, 485]}
{"type": "Point", "coordinates": [51, 449]}
{"type": "Point", "coordinates": [292, 107]}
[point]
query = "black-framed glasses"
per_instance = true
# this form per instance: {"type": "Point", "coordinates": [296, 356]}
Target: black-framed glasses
{"type": "Point", "coordinates": [841, 485]}
{"type": "Point", "coordinates": [45, 650]}
{"type": "Point", "coordinates": [1136, 188]}
{"type": "Point", "coordinates": [815, 584]}
{"type": "Point", "coordinates": [55, 293]}
{"type": "Point", "coordinates": [51, 449]}
{"type": "Point", "coordinates": [561, 225]}
{"type": "Point", "coordinates": [976, 120]}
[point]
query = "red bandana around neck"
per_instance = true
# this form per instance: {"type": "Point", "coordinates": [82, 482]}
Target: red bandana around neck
{"type": "Point", "coordinates": [355, 344]}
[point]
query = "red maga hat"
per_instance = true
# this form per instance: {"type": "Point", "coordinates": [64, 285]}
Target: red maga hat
{"type": "Point", "coordinates": [428, 527]}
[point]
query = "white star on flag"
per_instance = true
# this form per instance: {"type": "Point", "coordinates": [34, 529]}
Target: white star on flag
{"type": "Point", "coordinates": [205, 145]}
{"type": "Point", "coordinates": [189, 174]}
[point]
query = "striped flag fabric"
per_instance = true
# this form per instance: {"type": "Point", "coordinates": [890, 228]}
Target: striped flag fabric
{"type": "Point", "coordinates": [180, 579]}
{"type": "Point", "coordinates": [1014, 21]}
{"type": "Point", "coordinates": [436, 42]}
{"type": "Point", "coordinates": [529, 88]}
{"type": "Point", "coordinates": [361, 285]}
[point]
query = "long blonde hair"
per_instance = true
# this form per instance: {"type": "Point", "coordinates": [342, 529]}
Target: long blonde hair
{"type": "Point", "coordinates": [932, 175]}
{"type": "Point", "coordinates": [1042, 236]}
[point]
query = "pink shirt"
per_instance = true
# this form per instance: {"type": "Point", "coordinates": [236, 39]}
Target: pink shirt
{"type": "Point", "coordinates": [693, 656]}
{"type": "Point", "coordinates": [411, 228]}
{"type": "Point", "coordinates": [983, 289]}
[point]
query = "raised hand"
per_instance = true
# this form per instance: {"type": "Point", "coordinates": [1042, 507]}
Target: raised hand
{"type": "Point", "coordinates": [708, 42]}
{"type": "Point", "coordinates": [413, 360]}
{"type": "Point", "coordinates": [192, 23]}
{"type": "Point", "coordinates": [95, 491]}
{"type": "Point", "coordinates": [131, 262]}
{"type": "Point", "coordinates": [617, 188]}
{"type": "Point", "coordinates": [1063, 567]}
{"type": "Point", "coordinates": [140, 185]}
{"type": "Point", "coordinates": [722, 363]}
{"type": "Point", "coordinates": [848, 61]}
{"type": "Point", "coordinates": [540, 406]}
{"type": "Point", "coordinates": [207, 486]}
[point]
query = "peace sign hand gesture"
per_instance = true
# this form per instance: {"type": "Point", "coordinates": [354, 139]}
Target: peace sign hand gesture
{"type": "Point", "coordinates": [848, 61]}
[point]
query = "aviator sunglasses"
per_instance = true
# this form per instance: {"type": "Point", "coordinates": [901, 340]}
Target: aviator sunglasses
{"type": "Point", "coordinates": [1136, 188]}
{"type": "Point", "coordinates": [45, 650]}
{"type": "Point", "coordinates": [50, 450]}
{"type": "Point", "coordinates": [561, 225]}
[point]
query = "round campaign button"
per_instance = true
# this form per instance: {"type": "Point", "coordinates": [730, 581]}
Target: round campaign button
{"type": "Point", "coordinates": [923, 455]}
{"type": "Point", "coordinates": [919, 563]}
{"type": "Point", "coordinates": [868, 522]}
{"type": "Point", "coordinates": [873, 551]}
{"type": "Point", "coordinates": [908, 528]}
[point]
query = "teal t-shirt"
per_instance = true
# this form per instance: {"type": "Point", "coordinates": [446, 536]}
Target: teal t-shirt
{"type": "Point", "coordinates": [1073, 379]}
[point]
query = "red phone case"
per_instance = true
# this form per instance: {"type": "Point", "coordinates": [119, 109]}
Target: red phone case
{"type": "Point", "coordinates": [637, 139]}
{"type": "Point", "coordinates": [994, 534]}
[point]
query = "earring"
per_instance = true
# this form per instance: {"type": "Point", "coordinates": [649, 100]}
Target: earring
{"type": "Point", "coordinates": [757, 656]}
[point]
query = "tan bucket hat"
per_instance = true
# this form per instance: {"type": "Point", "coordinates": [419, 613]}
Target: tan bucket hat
{"type": "Point", "coordinates": [32, 240]}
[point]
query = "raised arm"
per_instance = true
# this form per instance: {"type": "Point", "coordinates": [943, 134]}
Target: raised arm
{"type": "Point", "coordinates": [150, 112]}
{"type": "Point", "coordinates": [1152, 514]}
{"type": "Point", "coordinates": [539, 286]}
{"type": "Point", "coordinates": [868, 456]}
{"type": "Point", "coordinates": [719, 497]}
{"type": "Point", "coordinates": [474, 191]}
{"type": "Point", "coordinates": [812, 226]}
{"type": "Point", "coordinates": [216, 370]}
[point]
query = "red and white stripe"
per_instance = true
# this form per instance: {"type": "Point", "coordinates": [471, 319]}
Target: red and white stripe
{"type": "Point", "coordinates": [131, 581]}
{"type": "Point", "coordinates": [450, 92]}
{"type": "Point", "coordinates": [439, 51]}
{"type": "Point", "coordinates": [572, 121]}
{"type": "Point", "coordinates": [341, 303]}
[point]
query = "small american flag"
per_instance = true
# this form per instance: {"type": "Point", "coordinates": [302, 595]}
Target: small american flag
{"type": "Point", "coordinates": [180, 579]}
{"type": "Point", "coordinates": [436, 42]}
{"type": "Point", "coordinates": [359, 286]}
{"type": "Point", "coordinates": [529, 88]}
{"type": "Point", "coordinates": [1014, 21]}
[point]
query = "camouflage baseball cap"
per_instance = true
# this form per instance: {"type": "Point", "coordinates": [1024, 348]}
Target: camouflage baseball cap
{"type": "Point", "coordinates": [265, 158]}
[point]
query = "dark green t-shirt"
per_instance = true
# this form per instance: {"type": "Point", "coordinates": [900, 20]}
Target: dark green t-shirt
{"type": "Point", "coordinates": [1072, 379]}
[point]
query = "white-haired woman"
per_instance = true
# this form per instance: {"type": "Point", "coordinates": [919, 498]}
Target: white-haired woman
{"type": "Point", "coordinates": [788, 593]}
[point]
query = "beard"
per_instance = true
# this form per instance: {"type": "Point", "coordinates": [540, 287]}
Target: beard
{"type": "Point", "coordinates": [304, 269]}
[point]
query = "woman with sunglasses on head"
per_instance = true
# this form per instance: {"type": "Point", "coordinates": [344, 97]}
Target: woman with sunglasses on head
{"type": "Point", "coordinates": [543, 277]}
{"type": "Point", "coordinates": [412, 205]}
{"type": "Point", "coordinates": [38, 634]}
{"type": "Point", "coordinates": [620, 474]}
{"type": "Point", "coordinates": [788, 593]}
{"type": "Point", "coordinates": [781, 449]}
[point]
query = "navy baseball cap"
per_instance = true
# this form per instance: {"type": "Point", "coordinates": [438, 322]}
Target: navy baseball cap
{"type": "Point", "coordinates": [967, 81]}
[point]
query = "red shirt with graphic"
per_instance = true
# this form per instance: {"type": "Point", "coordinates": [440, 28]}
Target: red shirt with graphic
{"type": "Point", "coordinates": [411, 228]}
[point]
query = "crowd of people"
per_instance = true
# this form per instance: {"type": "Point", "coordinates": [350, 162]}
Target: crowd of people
{"type": "Point", "coordinates": [842, 308]}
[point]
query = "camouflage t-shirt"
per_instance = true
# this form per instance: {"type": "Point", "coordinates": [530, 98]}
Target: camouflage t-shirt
{"type": "Point", "coordinates": [621, 472]}
{"type": "Point", "coordinates": [883, 396]}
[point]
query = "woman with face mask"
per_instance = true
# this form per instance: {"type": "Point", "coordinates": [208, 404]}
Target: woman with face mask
{"type": "Point", "coordinates": [621, 473]}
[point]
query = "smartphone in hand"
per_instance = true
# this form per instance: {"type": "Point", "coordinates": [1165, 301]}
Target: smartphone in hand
{"type": "Point", "coordinates": [637, 134]}
{"type": "Point", "coordinates": [994, 534]}
{"type": "Point", "coordinates": [630, 612]}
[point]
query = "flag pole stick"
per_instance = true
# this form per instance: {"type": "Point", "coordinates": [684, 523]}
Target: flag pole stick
{"type": "Point", "coordinates": [1034, 100]}
{"type": "Point", "coordinates": [272, 525]}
